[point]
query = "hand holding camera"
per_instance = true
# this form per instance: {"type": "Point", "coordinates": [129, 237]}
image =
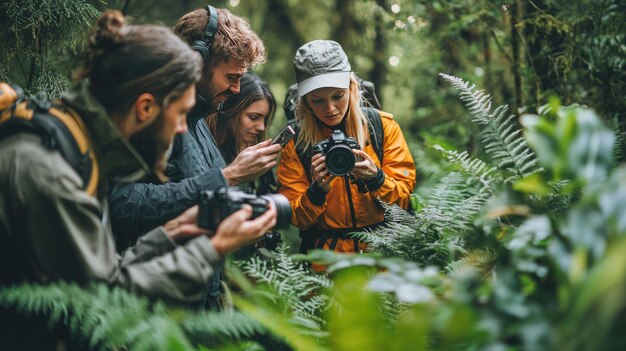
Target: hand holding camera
{"type": "Point", "coordinates": [339, 156]}
{"type": "Point", "coordinates": [218, 206]}
{"type": "Point", "coordinates": [185, 225]}
{"type": "Point", "coordinates": [240, 228]}
{"type": "Point", "coordinates": [337, 150]}
{"type": "Point", "coordinates": [320, 174]}
{"type": "Point", "coordinates": [365, 169]}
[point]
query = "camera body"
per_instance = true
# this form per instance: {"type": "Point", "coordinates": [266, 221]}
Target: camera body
{"type": "Point", "coordinates": [338, 151]}
{"type": "Point", "coordinates": [215, 205]}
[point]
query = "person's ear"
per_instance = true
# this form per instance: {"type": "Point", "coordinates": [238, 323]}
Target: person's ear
{"type": "Point", "coordinates": [146, 108]}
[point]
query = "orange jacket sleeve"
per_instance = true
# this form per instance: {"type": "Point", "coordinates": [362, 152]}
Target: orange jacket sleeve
{"type": "Point", "coordinates": [293, 183]}
{"type": "Point", "coordinates": [398, 165]}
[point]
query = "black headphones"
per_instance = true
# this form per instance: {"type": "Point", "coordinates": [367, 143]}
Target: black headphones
{"type": "Point", "coordinates": [203, 46]}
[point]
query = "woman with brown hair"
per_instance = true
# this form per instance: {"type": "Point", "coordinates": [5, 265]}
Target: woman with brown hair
{"type": "Point", "coordinates": [242, 123]}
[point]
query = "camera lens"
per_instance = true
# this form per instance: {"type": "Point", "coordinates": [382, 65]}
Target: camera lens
{"type": "Point", "coordinates": [340, 160]}
{"type": "Point", "coordinates": [283, 209]}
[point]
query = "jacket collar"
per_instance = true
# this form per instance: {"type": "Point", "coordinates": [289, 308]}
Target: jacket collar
{"type": "Point", "coordinates": [118, 160]}
{"type": "Point", "coordinates": [201, 109]}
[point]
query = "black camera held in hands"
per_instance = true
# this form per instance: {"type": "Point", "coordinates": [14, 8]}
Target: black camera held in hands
{"type": "Point", "coordinates": [215, 205]}
{"type": "Point", "coordinates": [338, 151]}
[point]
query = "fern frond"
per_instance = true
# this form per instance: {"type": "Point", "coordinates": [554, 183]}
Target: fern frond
{"type": "Point", "coordinates": [223, 326]}
{"type": "Point", "coordinates": [433, 235]}
{"type": "Point", "coordinates": [501, 136]}
{"type": "Point", "coordinates": [294, 284]}
{"type": "Point", "coordinates": [471, 166]}
{"type": "Point", "coordinates": [100, 316]}
{"type": "Point", "coordinates": [477, 101]}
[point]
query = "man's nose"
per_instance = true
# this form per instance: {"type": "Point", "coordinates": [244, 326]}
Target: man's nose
{"type": "Point", "coordinates": [234, 86]}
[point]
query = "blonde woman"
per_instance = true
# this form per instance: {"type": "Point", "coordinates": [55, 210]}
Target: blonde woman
{"type": "Point", "coordinates": [327, 206]}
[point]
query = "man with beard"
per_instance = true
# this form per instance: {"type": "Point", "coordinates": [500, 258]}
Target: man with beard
{"type": "Point", "coordinates": [229, 47]}
{"type": "Point", "coordinates": [54, 223]}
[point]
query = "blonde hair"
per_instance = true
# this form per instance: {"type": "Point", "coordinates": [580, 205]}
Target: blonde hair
{"type": "Point", "coordinates": [311, 128]}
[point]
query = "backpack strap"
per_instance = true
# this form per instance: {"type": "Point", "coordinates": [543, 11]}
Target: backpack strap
{"type": "Point", "coordinates": [60, 129]}
{"type": "Point", "coordinates": [377, 136]}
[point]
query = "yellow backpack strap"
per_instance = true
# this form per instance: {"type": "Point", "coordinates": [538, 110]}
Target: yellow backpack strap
{"type": "Point", "coordinates": [8, 97]}
{"type": "Point", "coordinates": [86, 164]}
{"type": "Point", "coordinates": [60, 129]}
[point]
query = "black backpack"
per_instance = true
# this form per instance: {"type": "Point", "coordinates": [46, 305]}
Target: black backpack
{"type": "Point", "coordinates": [59, 127]}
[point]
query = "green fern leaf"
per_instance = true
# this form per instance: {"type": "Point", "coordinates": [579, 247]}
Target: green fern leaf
{"type": "Point", "coordinates": [501, 136]}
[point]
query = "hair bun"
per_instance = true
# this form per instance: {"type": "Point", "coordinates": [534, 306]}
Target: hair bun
{"type": "Point", "coordinates": [108, 32]}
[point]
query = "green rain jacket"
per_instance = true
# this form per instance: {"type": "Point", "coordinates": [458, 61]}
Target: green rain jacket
{"type": "Point", "coordinates": [51, 229]}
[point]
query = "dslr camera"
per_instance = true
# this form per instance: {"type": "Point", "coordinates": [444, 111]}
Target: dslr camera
{"type": "Point", "coordinates": [338, 151]}
{"type": "Point", "coordinates": [215, 205]}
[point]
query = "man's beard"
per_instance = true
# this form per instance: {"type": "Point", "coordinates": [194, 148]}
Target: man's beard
{"type": "Point", "coordinates": [153, 147]}
{"type": "Point", "coordinates": [209, 96]}
{"type": "Point", "coordinates": [217, 106]}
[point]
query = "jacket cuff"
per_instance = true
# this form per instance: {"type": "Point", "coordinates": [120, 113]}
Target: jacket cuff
{"type": "Point", "coordinates": [316, 195]}
{"type": "Point", "coordinates": [376, 182]}
{"type": "Point", "coordinates": [154, 243]}
{"type": "Point", "coordinates": [201, 247]}
{"type": "Point", "coordinates": [213, 179]}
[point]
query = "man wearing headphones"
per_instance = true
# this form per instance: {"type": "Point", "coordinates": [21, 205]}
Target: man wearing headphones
{"type": "Point", "coordinates": [228, 47]}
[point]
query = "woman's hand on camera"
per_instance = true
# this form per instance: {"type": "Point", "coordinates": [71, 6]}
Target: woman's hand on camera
{"type": "Point", "coordinates": [237, 230]}
{"type": "Point", "coordinates": [365, 169]}
{"type": "Point", "coordinates": [185, 225]}
{"type": "Point", "coordinates": [320, 174]}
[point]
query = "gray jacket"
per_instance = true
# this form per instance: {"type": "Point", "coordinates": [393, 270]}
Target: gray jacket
{"type": "Point", "coordinates": [51, 229]}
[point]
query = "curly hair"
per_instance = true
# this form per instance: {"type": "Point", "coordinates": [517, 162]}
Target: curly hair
{"type": "Point", "coordinates": [234, 38]}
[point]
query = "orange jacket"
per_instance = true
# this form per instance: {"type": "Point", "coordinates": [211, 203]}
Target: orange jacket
{"type": "Point", "coordinates": [334, 213]}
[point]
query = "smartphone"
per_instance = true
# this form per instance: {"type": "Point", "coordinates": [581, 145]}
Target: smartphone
{"type": "Point", "coordinates": [284, 136]}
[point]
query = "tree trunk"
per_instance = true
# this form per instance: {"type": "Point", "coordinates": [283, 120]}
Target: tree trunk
{"type": "Point", "coordinates": [379, 70]}
{"type": "Point", "coordinates": [344, 23]}
{"type": "Point", "coordinates": [516, 9]}
{"type": "Point", "coordinates": [278, 11]}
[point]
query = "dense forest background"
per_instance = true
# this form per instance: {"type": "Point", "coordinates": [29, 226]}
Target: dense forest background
{"type": "Point", "coordinates": [519, 235]}
{"type": "Point", "coordinates": [523, 52]}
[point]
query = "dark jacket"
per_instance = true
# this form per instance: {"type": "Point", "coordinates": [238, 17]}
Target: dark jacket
{"type": "Point", "coordinates": [194, 165]}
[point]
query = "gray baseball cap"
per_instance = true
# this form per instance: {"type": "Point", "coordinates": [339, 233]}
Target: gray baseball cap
{"type": "Point", "coordinates": [321, 64]}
